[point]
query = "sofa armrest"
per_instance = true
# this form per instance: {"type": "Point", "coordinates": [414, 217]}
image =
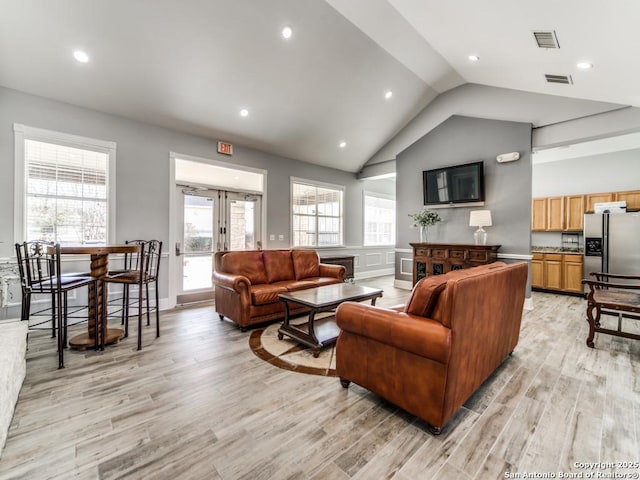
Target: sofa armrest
{"type": "Point", "coordinates": [419, 335]}
{"type": "Point", "coordinates": [337, 271]}
{"type": "Point", "coordinates": [239, 283]}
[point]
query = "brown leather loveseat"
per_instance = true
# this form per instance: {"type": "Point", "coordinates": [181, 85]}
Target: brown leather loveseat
{"type": "Point", "coordinates": [433, 355]}
{"type": "Point", "coordinates": [247, 283]}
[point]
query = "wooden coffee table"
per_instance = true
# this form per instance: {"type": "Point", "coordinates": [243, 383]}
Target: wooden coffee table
{"type": "Point", "coordinates": [317, 333]}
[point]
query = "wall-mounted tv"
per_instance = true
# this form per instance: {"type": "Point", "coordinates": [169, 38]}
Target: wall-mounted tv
{"type": "Point", "coordinates": [454, 185]}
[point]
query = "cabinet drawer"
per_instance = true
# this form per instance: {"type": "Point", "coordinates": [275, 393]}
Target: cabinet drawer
{"type": "Point", "coordinates": [439, 253]}
{"type": "Point", "coordinates": [557, 257]}
{"type": "Point", "coordinates": [422, 252]}
{"type": "Point", "coordinates": [569, 258]}
{"type": "Point", "coordinates": [537, 256]}
{"type": "Point", "coordinates": [478, 255]}
{"type": "Point", "coordinates": [457, 254]}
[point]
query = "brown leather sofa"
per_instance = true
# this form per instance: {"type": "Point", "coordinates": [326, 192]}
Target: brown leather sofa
{"type": "Point", "coordinates": [432, 355]}
{"type": "Point", "coordinates": [247, 283]}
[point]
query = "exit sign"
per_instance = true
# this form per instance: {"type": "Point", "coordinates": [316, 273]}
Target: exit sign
{"type": "Point", "coordinates": [225, 148]}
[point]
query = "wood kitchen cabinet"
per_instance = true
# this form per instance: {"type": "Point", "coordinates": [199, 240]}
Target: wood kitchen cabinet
{"type": "Point", "coordinates": [539, 214]}
{"type": "Point", "coordinates": [574, 213]}
{"type": "Point", "coordinates": [593, 198]}
{"type": "Point", "coordinates": [572, 273]}
{"type": "Point", "coordinates": [537, 270]}
{"type": "Point", "coordinates": [560, 272]}
{"type": "Point", "coordinates": [632, 198]}
{"type": "Point", "coordinates": [555, 214]}
{"type": "Point", "coordinates": [553, 271]}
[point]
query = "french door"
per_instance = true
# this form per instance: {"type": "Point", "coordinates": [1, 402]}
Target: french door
{"type": "Point", "coordinates": [212, 220]}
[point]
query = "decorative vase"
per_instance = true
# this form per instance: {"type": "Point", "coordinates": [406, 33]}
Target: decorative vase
{"type": "Point", "coordinates": [423, 233]}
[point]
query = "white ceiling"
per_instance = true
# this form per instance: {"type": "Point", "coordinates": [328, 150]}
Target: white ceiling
{"type": "Point", "coordinates": [191, 65]}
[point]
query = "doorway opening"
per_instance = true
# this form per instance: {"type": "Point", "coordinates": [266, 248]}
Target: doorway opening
{"type": "Point", "coordinates": [216, 207]}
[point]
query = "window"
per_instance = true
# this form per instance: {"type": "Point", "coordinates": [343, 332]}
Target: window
{"type": "Point", "coordinates": [316, 214]}
{"type": "Point", "coordinates": [63, 187]}
{"type": "Point", "coordinates": [379, 219]}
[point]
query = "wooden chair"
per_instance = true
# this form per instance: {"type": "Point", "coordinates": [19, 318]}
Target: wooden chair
{"type": "Point", "coordinates": [140, 269]}
{"type": "Point", "coordinates": [40, 272]}
{"type": "Point", "coordinates": [612, 294]}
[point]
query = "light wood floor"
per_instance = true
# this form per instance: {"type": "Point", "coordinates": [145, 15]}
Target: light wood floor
{"type": "Point", "coordinates": [196, 403]}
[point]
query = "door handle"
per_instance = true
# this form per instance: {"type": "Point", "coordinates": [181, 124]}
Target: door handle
{"type": "Point", "coordinates": [178, 250]}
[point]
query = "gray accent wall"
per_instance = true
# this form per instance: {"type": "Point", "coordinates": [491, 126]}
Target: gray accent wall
{"type": "Point", "coordinates": [460, 140]}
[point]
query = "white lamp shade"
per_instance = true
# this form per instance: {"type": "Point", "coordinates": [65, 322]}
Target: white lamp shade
{"type": "Point", "coordinates": [480, 218]}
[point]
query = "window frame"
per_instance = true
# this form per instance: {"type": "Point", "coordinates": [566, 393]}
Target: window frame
{"type": "Point", "coordinates": [316, 184]}
{"type": "Point", "coordinates": [384, 196]}
{"type": "Point", "coordinates": [24, 132]}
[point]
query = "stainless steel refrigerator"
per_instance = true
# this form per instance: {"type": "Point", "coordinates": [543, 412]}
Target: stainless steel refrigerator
{"type": "Point", "coordinates": [612, 243]}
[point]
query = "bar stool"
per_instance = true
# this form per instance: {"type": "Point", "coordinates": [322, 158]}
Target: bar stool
{"type": "Point", "coordinates": [40, 273]}
{"type": "Point", "coordinates": [140, 269]}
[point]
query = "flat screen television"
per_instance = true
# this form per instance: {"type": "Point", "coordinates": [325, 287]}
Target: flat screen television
{"type": "Point", "coordinates": [454, 185]}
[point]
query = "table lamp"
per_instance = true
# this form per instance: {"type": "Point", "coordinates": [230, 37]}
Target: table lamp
{"type": "Point", "coordinates": [480, 218]}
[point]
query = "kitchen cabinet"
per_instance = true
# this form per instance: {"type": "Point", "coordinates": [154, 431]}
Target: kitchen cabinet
{"type": "Point", "coordinates": [553, 271]}
{"type": "Point", "coordinates": [632, 198]}
{"type": "Point", "coordinates": [593, 198]}
{"type": "Point", "coordinates": [537, 270]}
{"type": "Point", "coordinates": [573, 213]}
{"type": "Point", "coordinates": [555, 214]}
{"type": "Point", "coordinates": [560, 272]}
{"type": "Point", "coordinates": [539, 214]}
{"type": "Point", "coordinates": [572, 273]}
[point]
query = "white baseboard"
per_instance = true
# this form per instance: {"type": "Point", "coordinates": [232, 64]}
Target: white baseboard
{"type": "Point", "coordinates": [528, 304]}
{"type": "Point", "coordinates": [404, 284]}
{"type": "Point", "coordinates": [374, 273]}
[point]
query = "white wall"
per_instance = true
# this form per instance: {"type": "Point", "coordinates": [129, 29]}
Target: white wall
{"type": "Point", "coordinates": [610, 172]}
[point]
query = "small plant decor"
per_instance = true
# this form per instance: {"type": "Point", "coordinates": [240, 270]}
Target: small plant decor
{"type": "Point", "coordinates": [425, 218]}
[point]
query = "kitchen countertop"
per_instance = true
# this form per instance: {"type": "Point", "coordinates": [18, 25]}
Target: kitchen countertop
{"type": "Point", "coordinates": [538, 249]}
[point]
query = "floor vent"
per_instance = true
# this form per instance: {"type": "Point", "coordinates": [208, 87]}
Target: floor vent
{"type": "Point", "coordinates": [562, 79]}
{"type": "Point", "coordinates": [546, 39]}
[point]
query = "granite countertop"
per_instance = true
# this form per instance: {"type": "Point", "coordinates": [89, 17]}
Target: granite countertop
{"type": "Point", "coordinates": [538, 249]}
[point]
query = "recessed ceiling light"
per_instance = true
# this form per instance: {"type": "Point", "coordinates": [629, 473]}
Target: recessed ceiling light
{"type": "Point", "coordinates": [287, 32]}
{"type": "Point", "coordinates": [343, 144]}
{"type": "Point", "coordinates": [585, 65]}
{"type": "Point", "coordinates": [473, 58]}
{"type": "Point", "coordinates": [80, 56]}
{"type": "Point", "coordinates": [388, 94]}
{"type": "Point", "coordinates": [244, 112]}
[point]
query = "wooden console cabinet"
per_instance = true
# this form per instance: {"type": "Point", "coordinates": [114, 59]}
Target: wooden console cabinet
{"type": "Point", "coordinates": [439, 258]}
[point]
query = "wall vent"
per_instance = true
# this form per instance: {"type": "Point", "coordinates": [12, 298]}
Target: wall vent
{"type": "Point", "coordinates": [546, 39]}
{"type": "Point", "coordinates": [561, 79]}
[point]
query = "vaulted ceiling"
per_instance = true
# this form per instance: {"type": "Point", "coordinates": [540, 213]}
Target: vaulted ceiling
{"type": "Point", "coordinates": [193, 65]}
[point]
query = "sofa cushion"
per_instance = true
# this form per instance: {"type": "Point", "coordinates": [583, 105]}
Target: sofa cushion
{"type": "Point", "coordinates": [248, 264]}
{"type": "Point", "coordinates": [425, 295]}
{"type": "Point", "coordinates": [265, 293]}
{"type": "Point", "coordinates": [319, 281]}
{"type": "Point", "coordinates": [278, 265]}
{"type": "Point", "coordinates": [306, 263]}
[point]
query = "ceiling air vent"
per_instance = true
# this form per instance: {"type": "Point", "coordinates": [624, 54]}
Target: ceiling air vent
{"type": "Point", "coordinates": [546, 39]}
{"type": "Point", "coordinates": [562, 79]}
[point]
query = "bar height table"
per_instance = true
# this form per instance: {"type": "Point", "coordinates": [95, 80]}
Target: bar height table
{"type": "Point", "coordinates": [99, 268]}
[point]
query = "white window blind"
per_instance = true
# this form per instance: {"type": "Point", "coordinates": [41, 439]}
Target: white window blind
{"type": "Point", "coordinates": [379, 219]}
{"type": "Point", "coordinates": [317, 215]}
{"type": "Point", "coordinates": [66, 193]}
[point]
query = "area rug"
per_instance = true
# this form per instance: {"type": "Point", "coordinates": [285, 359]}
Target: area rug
{"type": "Point", "coordinates": [289, 354]}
